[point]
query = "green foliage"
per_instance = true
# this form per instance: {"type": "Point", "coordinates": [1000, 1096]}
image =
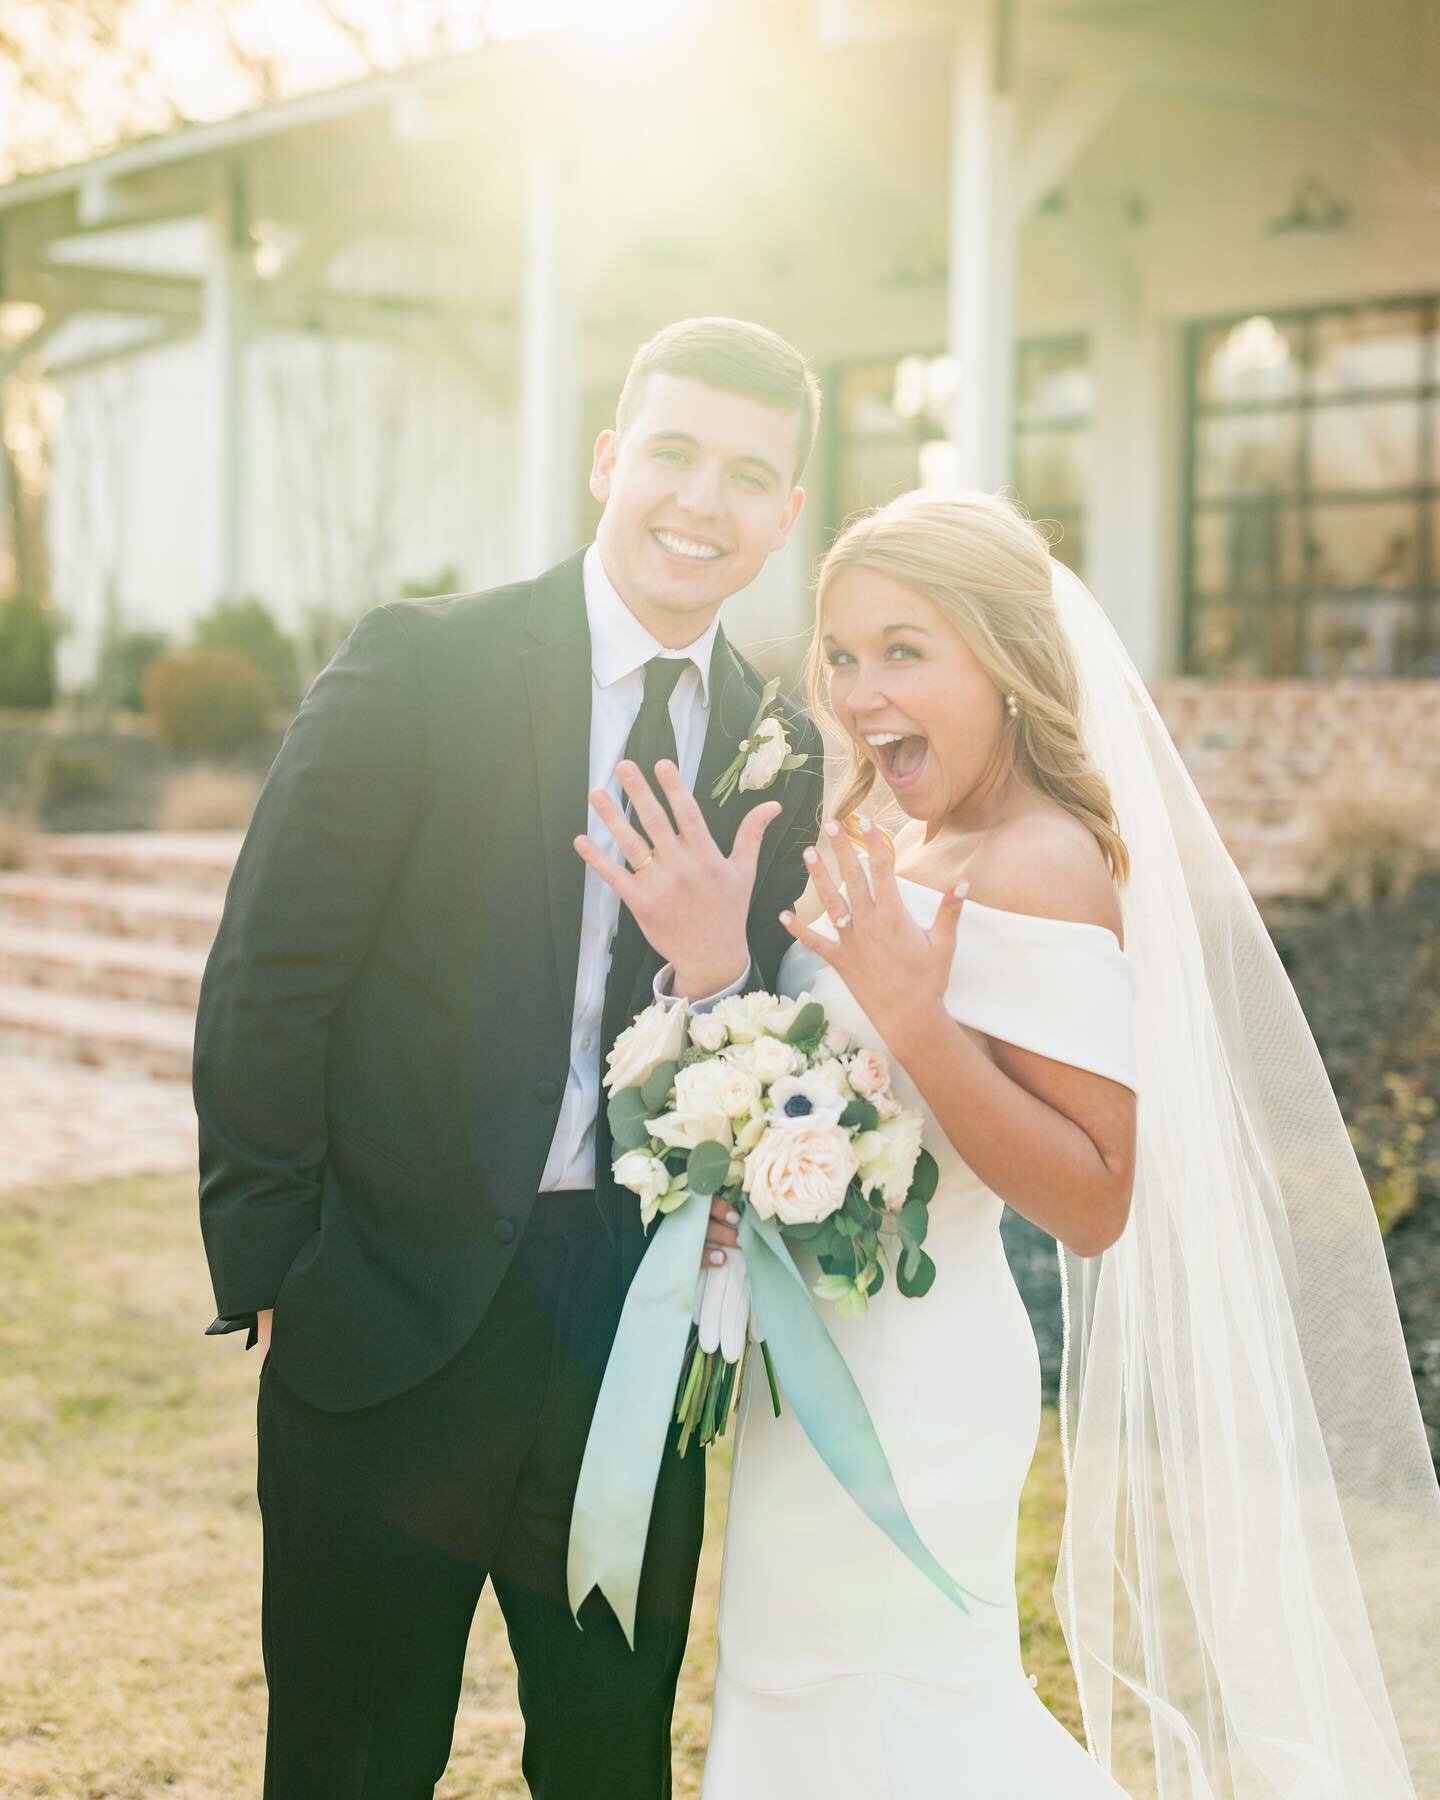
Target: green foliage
{"type": "Point", "coordinates": [27, 653]}
{"type": "Point", "coordinates": [247, 627]}
{"type": "Point", "coordinates": [708, 1166]}
{"type": "Point", "coordinates": [206, 699]}
{"type": "Point", "coordinates": [656, 1090]}
{"type": "Point", "coordinates": [860, 1115]}
{"type": "Point", "coordinates": [1390, 1136]}
{"type": "Point", "coordinates": [123, 665]}
{"type": "Point", "coordinates": [807, 1028]}
{"type": "Point", "coordinates": [627, 1113]}
{"type": "Point", "coordinates": [60, 773]}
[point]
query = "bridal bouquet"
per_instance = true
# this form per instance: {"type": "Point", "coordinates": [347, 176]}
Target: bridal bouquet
{"type": "Point", "coordinates": [763, 1102]}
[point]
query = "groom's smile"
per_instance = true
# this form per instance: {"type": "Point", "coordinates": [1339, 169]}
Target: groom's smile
{"type": "Point", "coordinates": [698, 489]}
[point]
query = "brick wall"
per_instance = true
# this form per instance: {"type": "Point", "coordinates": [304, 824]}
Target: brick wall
{"type": "Point", "coordinates": [1268, 755]}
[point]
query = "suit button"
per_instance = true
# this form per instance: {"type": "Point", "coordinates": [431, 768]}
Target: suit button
{"type": "Point", "coordinates": [504, 1231]}
{"type": "Point", "coordinates": [547, 1091]}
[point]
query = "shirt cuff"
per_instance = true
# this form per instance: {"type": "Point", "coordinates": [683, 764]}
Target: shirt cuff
{"type": "Point", "coordinates": [244, 1321]}
{"type": "Point", "coordinates": [667, 975]}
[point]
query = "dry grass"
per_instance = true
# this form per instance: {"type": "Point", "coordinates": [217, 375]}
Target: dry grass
{"type": "Point", "coordinates": [130, 1641]}
{"type": "Point", "coordinates": [1371, 840]}
{"type": "Point", "coordinates": [15, 834]}
{"type": "Point", "coordinates": [208, 799]}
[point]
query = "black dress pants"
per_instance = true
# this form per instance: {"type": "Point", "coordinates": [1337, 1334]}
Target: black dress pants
{"type": "Point", "coordinates": [382, 1525]}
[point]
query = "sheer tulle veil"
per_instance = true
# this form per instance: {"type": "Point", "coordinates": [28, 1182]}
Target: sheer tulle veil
{"type": "Point", "coordinates": [1249, 1580]}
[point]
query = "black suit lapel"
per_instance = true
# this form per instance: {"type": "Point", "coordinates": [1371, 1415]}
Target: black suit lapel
{"type": "Point", "coordinates": [733, 700]}
{"type": "Point", "coordinates": [557, 679]}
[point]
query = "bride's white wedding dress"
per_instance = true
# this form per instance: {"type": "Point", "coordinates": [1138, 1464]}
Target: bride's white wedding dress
{"type": "Point", "coordinates": [842, 1671]}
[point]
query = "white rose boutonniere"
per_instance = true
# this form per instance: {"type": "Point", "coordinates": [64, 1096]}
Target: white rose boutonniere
{"type": "Point", "coordinates": [764, 752]}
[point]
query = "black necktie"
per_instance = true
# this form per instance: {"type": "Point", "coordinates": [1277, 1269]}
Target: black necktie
{"type": "Point", "coordinates": [652, 736]}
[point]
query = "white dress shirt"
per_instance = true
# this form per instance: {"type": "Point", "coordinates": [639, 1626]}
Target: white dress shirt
{"type": "Point", "coordinates": [620, 647]}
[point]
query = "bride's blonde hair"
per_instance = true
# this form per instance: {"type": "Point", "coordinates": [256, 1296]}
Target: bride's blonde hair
{"type": "Point", "coordinates": [978, 559]}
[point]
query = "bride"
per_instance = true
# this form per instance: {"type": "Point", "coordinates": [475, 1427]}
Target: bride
{"type": "Point", "coordinates": [1072, 983]}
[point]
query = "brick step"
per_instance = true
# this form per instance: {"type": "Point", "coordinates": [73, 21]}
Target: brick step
{"type": "Point", "coordinates": [193, 861]}
{"type": "Point", "coordinates": [108, 909]}
{"type": "Point", "coordinates": [123, 1035]}
{"type": "Point", "coordinates": [110, 968]}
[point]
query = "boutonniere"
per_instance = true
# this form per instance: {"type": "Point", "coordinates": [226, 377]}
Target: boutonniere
{"type": "Point", "coordinates": [764, 752]}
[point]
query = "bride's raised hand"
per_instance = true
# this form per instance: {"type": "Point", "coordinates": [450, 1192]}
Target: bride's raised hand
{"type": "Point", "coordinates": [886, 959]}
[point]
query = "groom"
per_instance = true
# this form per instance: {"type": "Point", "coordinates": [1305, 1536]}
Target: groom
{"type": "Point", "coordinates": [402, 1026]}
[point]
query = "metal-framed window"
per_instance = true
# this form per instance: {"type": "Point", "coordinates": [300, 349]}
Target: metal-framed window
{"type": "Point", "coordinates": [882, 413]}
{"type": "Point", "coordinates": [1313, 491]}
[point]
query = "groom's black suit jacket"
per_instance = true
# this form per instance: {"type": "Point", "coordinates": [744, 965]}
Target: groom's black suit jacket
{"type": "Point", "coordinates": [383, 1034]}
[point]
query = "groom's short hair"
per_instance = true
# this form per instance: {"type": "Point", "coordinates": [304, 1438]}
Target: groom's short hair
{"type": "Point", "coordinates": [738, 358]}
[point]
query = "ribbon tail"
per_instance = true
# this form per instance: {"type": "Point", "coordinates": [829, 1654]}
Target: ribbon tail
{"type": "Point", "coordinates": [610, 1520]}
{"type": "Point", "coordinates": [822, 1393]}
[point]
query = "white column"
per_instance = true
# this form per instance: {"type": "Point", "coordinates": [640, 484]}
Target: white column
{"type": "Point", "coordinates": [981, 304]}
{"type": "Point", "coordinates": [228, 278]}
{"type": "Point", "coordinates": [549, 402]}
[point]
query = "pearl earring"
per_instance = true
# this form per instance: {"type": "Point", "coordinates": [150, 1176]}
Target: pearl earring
{"type": "Point", "coordinates": [1012, 705]}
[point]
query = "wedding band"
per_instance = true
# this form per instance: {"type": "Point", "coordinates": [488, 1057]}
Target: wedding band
{"type": "Point", "coordinates": [637, 867]}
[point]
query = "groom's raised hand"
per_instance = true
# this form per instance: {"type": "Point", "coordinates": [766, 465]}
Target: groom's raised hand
{"type": "Point", "coordinates": [688, 898]}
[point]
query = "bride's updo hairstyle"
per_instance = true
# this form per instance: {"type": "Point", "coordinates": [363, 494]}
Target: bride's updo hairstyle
{"type": "Point", "coordinates": [982, 563]}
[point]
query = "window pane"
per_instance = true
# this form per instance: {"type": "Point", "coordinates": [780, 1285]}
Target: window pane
{"type": "Point", "coordinates": [1255, 454]}
{"type": "Point", "coordinates": [1373, 546]}
{"type": "Point", "coordinates": [867, 402]}
{"type": "Point", "coordinates": [1254, 359]}
{"type": "Point", "coordinates": [1378, 347]}
{"type": "Point", "coordinates": [871, 474]}
{"type": "Point", "coordinates": [1366, 446]}
{"type": "Point", "coordinates": [1054, 381]}
{"type": "Point", "coordinates": [1248, 547]}
{"type": "Point", "coordinates": [1359, 637]}
{"type": "Point", "coordinates": [1244, 639]}
{"type": "Point", "coordinates": [1052, 468]}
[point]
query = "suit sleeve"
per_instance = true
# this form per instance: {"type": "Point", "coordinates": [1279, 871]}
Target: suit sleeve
{"type": "Point", "coordinates": [784, 875]}
{"type": "Point", "coordinates": [330, 829]}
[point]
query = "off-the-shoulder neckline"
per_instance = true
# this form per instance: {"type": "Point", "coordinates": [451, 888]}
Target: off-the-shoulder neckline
{"type": "Point", "coordinates": [1005, 912]}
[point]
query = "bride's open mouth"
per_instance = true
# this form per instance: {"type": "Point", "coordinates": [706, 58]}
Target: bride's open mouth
{"type": "Point", "coordinates": [902, 757]}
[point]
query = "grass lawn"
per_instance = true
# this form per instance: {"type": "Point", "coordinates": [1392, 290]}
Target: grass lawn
{"type": "Point", "coordinates": [130, 1558]}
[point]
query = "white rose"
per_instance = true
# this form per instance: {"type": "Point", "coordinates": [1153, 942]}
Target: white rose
{"type": "Point", "coordinates": [781, 1013]}
{"type": "Point", "coordinates": [643, 1174]}
{"type": "Point", "coordinates": [836, 1041]}
{"type": "Point", "coordinates": [869, 1074]}
{"type": "Point", "coordinates": [770, 1060]}
{"type": "Point", "coordinates": [748, 1135]}
{"type": "Point", "coordinates": [707, 1032]}
{"type": "Point", "coordinates": [799, 1174]}
{"type": "Point", "coordinates": [768, 749]}
{"type": "Point", "coordinates": [700, 1105]}
{"type": "Point", "coordinates": [887, 1157]}
{"type": "Point", "coordinates": [739, 1093]}
{"type": "Point", "coordinates": [814, 1100]}
{"type": "Point", "coordinates": [832, 1074]}
{"type": "Point", "coordinates": [743, 1015]}
{"type": "Point", "coordinates": [657, 1036]}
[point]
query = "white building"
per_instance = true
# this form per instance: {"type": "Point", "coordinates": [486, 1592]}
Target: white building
{"type": "Point", "coordinates": [1173, 271]}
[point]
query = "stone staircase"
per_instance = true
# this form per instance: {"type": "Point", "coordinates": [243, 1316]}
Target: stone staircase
{"type": "Point", "coordinates": [102, 945]}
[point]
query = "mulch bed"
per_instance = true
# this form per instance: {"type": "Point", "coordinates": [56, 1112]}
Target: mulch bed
{"type": "Point", "coordinates": [1369, 982]}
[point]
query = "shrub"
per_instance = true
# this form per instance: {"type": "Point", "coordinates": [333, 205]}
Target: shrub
{"type": "Point", "coordinates": [27, 653]}
{"type": "Point", "coordinates": [14, 842]}
{"type": "Point", "coordinates": [1371, 843]}
{"type": "Point", "coordinates": [206, 699]}
{"type": "Point", "coordinates": [246, 626]}
{"type": "Point", "coordinates": [208, 799]}
{"type": "Point", "coordinates": [123, 665]}
{"type": "Point", "coordinates": [59, 773]}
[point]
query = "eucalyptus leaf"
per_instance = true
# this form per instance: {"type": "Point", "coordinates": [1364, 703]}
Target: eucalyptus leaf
{"type": "Point", "coordinates": [805, 1234]}
{"type": "Point", "coordinates": [925, 1180]}
{"type": "Point", "coordinates": [920, 1283]}
{"type": "Point", "coordinates": [708, 1166]}
{"type": "Point", "coordinates": [914, 1221]}
{"type": "Point", "coordinates": [797, 759]}
{"type": "Point", "coordinates": [847, 1227]}
{"type": "Point", "coordinates": [807, 1025]}
{"type": "Point", "coordinates": [657, 1089]}
{"type": "Point", "coordinates": [860, 1115]}
{"type": "Point", "coordinates": [627, 1113]}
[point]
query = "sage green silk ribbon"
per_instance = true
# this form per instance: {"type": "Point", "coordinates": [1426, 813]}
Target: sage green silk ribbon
{"type": "Point", "coordinates": [628, 1433]}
